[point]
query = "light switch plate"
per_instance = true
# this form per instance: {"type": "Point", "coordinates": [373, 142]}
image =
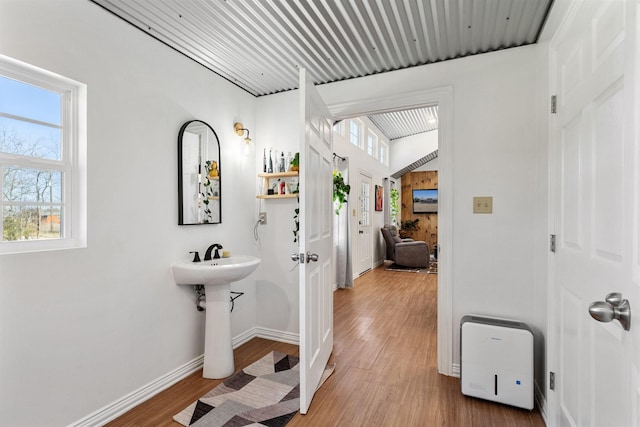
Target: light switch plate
{"type": "Point", "coordinates": [482, 205]}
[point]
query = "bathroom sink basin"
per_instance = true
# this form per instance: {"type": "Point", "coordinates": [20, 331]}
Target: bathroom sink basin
{"type": "Point", "coordinates": [215, 272]}
{"type": "Point", "coordinates": [216, 276]}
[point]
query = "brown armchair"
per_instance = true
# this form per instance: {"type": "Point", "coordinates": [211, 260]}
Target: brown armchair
{"type": "Point", "coordinates": [406, 252]}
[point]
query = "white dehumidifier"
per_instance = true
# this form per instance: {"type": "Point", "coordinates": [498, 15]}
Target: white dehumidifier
{"type": "Point", "coordinates": [496, 360]}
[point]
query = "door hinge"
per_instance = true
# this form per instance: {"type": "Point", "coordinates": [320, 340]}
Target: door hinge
{"type": "Point", "coordinates": [552, 380]}
{"type": "Point", "coordinates": [552, 243]}
{"type": "Point", "coordinates": [554, 104]}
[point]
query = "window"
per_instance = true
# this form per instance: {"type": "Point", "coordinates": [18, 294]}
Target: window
{"type": "Point", "coordinates": [354, 132]}
{"type": "Point", "coordinates": [372, 142]}
{"type": "Point", "coordinates": [338, 128]}
{"type": "Point", "coordinates": [42, 158]}
{"type": "Point", "coordinates": [384, 150]}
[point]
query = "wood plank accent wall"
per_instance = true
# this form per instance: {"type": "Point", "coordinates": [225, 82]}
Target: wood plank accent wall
{"type": "Point", "coordinates": [428, 224]}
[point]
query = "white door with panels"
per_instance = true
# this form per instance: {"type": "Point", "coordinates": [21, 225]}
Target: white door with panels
{"type": "Point", "coordinates": [595, 280]}
{"type": "Point", "coordinates": [316, 240]}
{"type": "Point", "coordinates": [364, 225]}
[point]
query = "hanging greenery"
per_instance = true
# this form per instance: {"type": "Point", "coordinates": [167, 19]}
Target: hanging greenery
{"type": "Point", "coordinates": [296, 223]}
{"type": "Point", "coordinates": [340, 190]}
{"type": "Point", "coordinates": [340, 193]}
{"type": "Point", "coordinates": [296, 212]}
{"type": "Point", "coordinates": [394, 195]}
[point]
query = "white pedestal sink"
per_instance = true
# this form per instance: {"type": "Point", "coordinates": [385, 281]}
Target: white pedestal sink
{"type": "Point", "coordinates": [216, 276]}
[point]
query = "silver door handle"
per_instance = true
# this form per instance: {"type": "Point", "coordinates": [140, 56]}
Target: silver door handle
{"type": "Point", "coordinates": [614, 308]}
{"type": "Point", "coordinates": [312, 257]}
{"type": "Point", "coordinates": [297, 258]}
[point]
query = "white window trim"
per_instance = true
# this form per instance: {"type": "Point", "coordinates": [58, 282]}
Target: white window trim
{"type": "Point", "coordinates": [383, 145]}
{"type": "Point", "coordinates": [339, 128]}
{"type": "Point", "coordinates": [374, 149]}
{"type": "Point", "coordinates": [361, 129]}
{"type": "Point", "coordinates": [74, 121]}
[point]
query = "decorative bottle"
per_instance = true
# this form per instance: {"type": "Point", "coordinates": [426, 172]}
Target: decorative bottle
{"type": "Point", "coordinates": [264, 160]}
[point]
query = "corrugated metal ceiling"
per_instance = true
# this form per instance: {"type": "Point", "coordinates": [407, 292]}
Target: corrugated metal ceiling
{"type": "Point", "coordinates": [399, 124]}
{"type": "Point", "coordinates": [259, 45]}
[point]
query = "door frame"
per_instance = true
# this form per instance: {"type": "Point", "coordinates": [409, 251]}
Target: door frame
{"type": "Point", "coordinates": [443, 97]}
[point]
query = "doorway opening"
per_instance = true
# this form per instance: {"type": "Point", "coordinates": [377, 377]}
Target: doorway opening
{"type": "Point", "coordinates": [443, 98]}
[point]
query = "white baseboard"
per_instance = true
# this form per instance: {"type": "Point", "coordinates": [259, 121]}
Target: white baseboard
{"type": "Point", "coordinates": [280, 336]}
{"type": "Point", "coordinates": [129, 401]}
{"type": "Point", "coordinates": [244, 337]}
{"type": "Point", "coordinates": [266, 333]}
{"type": "Point", "coordinates": [146, 392]}
{"type": "Point", "coordinates": [541, 402]}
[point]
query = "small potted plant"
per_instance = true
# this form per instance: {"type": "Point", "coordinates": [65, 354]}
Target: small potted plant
{"type": "Point", "coordinates": [295, 162]}
{"type": "Point", "coordinates": [408, 226]}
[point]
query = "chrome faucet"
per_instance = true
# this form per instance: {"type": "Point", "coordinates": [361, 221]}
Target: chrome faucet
{"type": "Point", "coordinates": [216, 255]}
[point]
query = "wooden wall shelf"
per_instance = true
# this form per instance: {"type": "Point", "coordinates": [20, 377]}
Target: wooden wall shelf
{"type": "Point", "coordinates": [268, 176]}
{"type": "Point", "coordinates": [276, 196]}
{"type": "Point", "coordinates": [278, 174]}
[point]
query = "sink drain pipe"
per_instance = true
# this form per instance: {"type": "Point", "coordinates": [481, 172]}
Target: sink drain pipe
{"type": "Point", "coordinates": [201, 303]}
{"type": "Point", "coordinates": [233, 299]}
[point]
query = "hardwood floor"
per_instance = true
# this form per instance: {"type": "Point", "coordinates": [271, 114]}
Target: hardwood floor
{"type": "Point", "coordinates": [386, 367]}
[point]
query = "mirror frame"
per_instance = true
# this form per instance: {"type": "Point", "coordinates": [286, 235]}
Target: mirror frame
{"type": "Point", "coordinates": [180, 190]}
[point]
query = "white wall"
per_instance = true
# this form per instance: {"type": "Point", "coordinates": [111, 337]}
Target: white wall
{"type": "Point", "coordinates": [496, 152]}
{"type": "Point", "coordinates": [277, 284]}
{"type": "Point", "coordinates": [405, 151]}
{"type": "Point", "coordinates": [80, 329]}
{"type": "Point", "coordinates": [429, 166]}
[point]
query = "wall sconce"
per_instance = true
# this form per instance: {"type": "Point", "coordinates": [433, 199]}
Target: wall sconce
{"type": "Point", "coordinates": [249, 146]}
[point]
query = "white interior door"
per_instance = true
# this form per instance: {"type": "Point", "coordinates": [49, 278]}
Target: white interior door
{"type": "Point", "coordinates": [364, 225]}
{"type": "Point", "coordinates": [595, 210]}
{"type": "Point", "coordinates": [316, 240]}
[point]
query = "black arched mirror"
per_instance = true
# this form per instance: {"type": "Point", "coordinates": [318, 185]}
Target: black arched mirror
{"type": "Point", "coordinates": [199, 176]}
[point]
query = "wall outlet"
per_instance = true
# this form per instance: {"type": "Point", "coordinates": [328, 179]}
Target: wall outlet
{"type": "Point", "coordinates": [482, 205]}
{"type": "Point", "coordinates": [262, 218]}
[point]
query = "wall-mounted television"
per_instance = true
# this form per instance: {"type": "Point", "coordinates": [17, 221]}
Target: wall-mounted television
{"type": "Point", "coordinates": [425, 201]}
